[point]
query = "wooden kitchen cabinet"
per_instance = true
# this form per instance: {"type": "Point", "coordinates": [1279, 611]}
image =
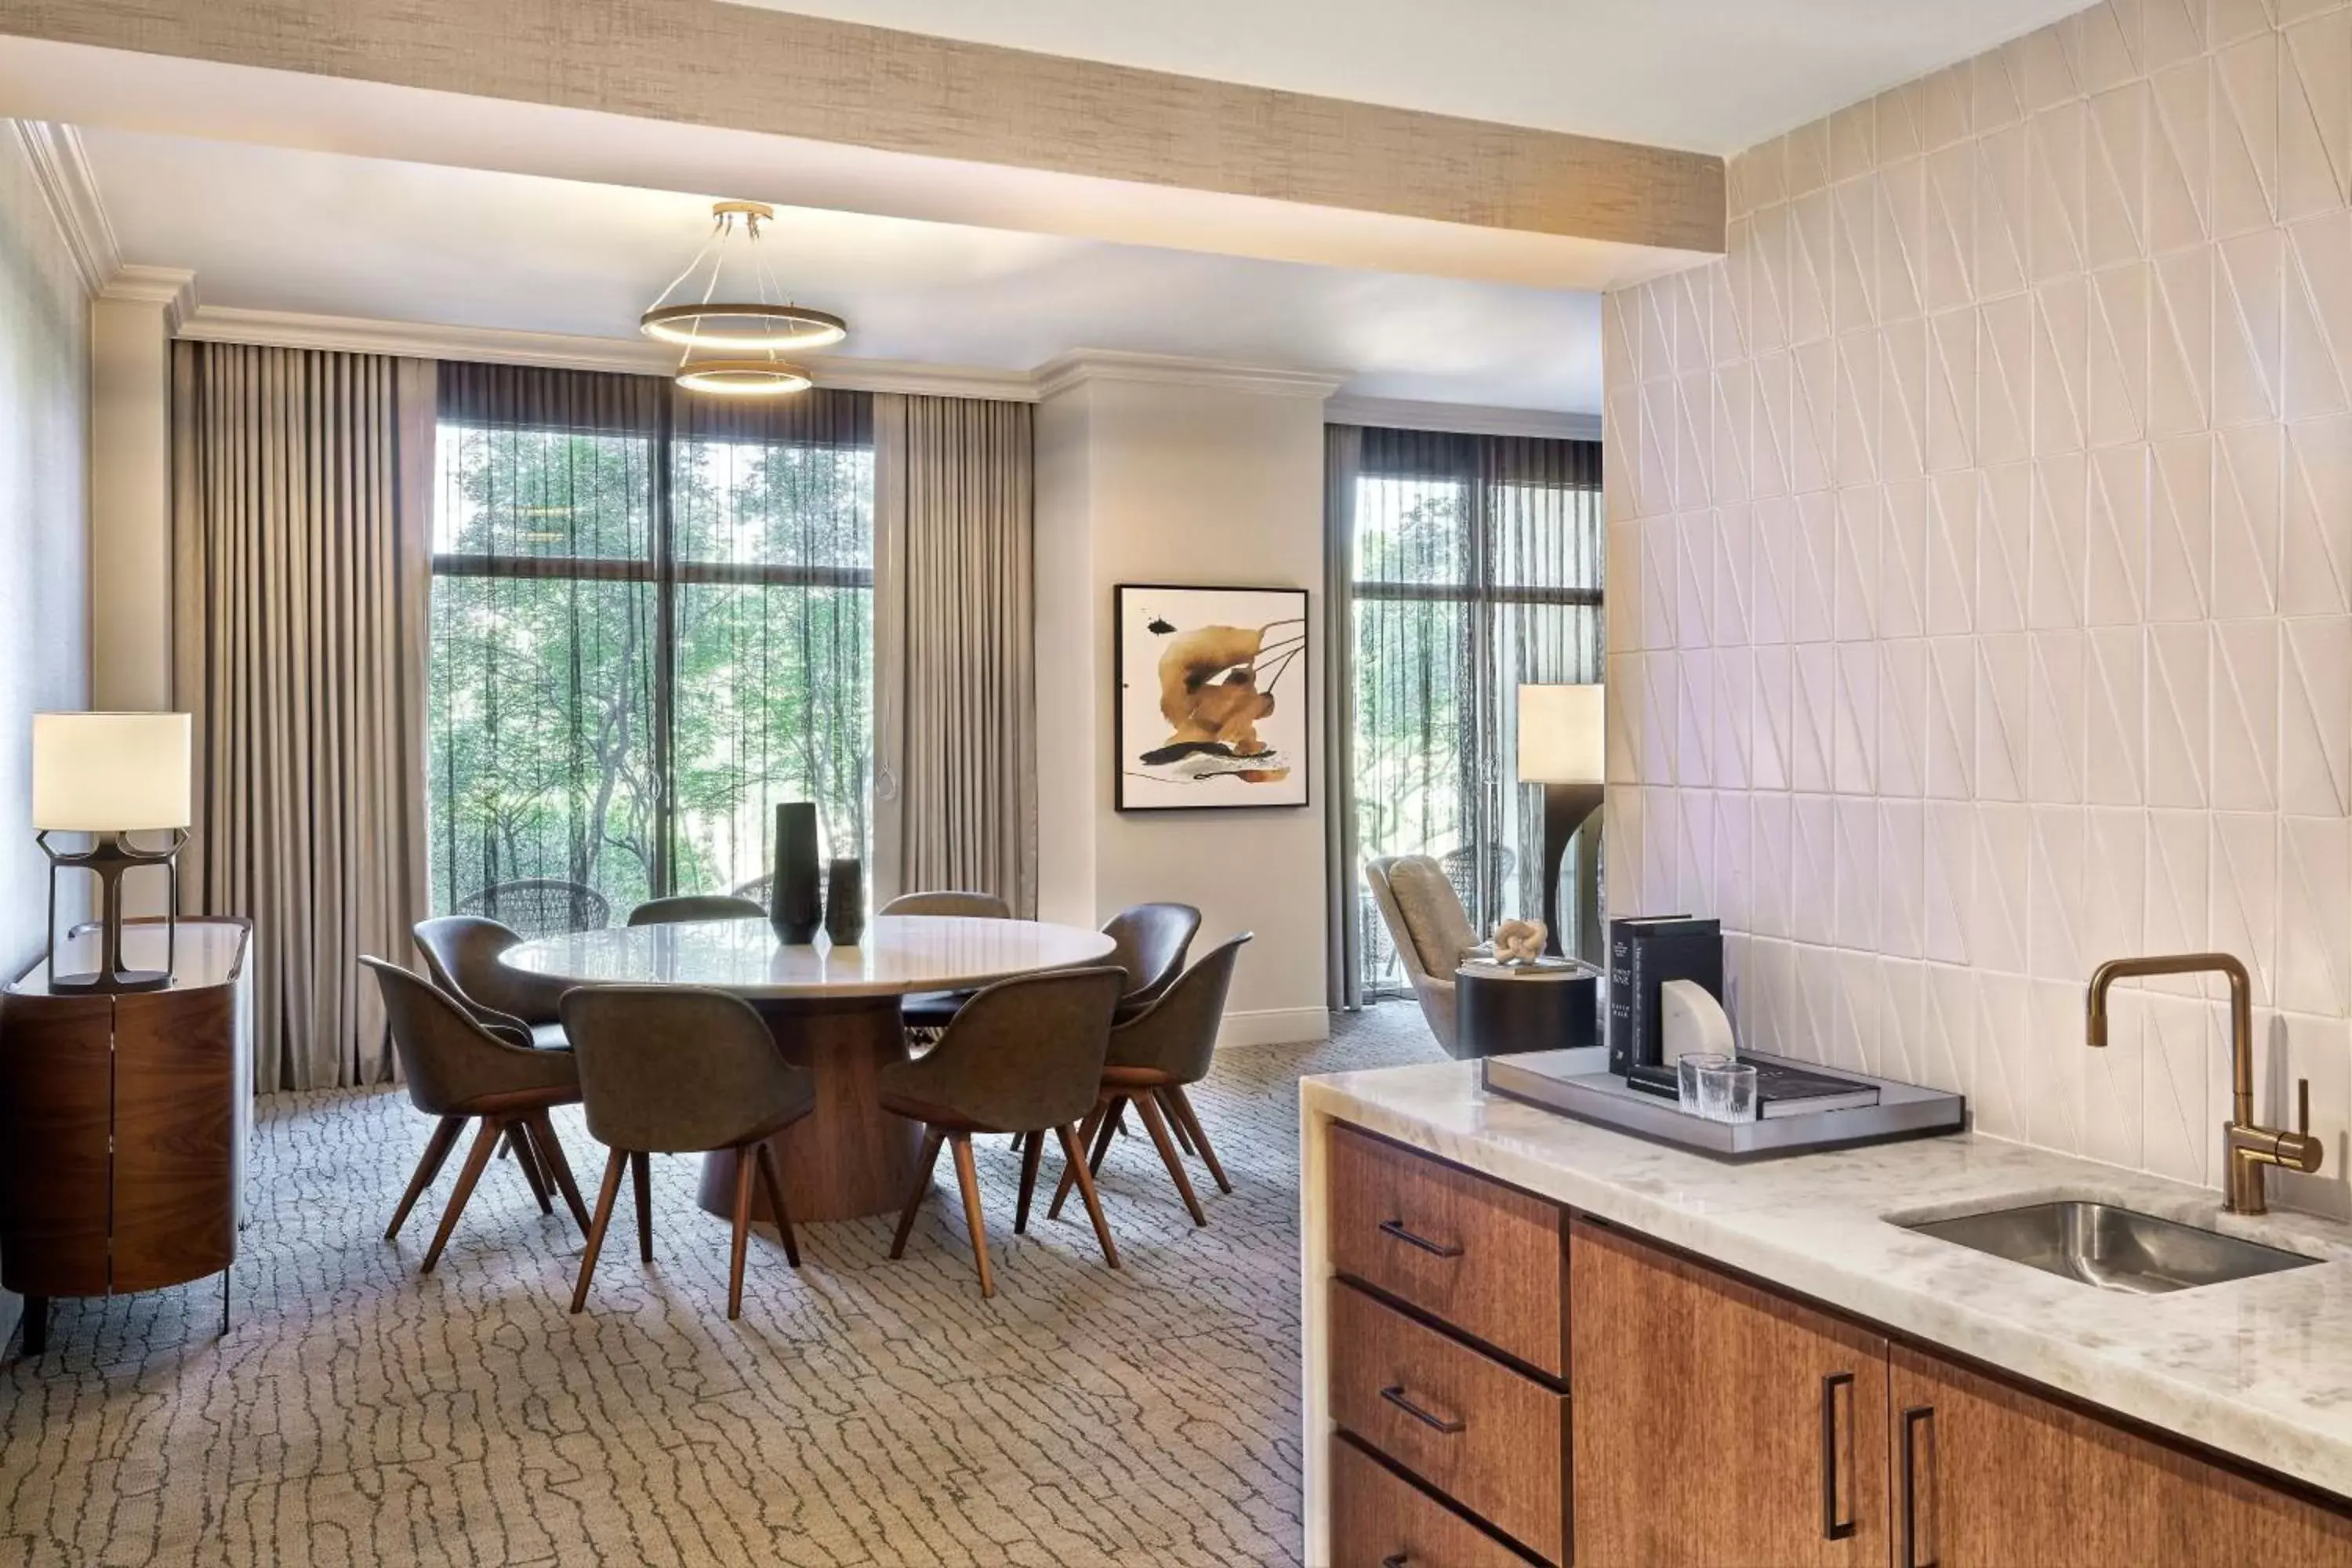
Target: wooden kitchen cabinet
{"type": "Point", "coordinates": [1986, 1474]}
{"type": "Point", "coordinates": [1716, 1424]}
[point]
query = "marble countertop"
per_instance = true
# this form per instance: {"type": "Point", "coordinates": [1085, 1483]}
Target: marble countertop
{"type": "Point", "coordinates": [897, 953]}
{"type": "Point", "coordinates": [2259, 1368]}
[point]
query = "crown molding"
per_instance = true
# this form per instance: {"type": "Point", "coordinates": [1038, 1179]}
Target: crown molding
{"type": "Point", "coordinates": [68, 183]}
{"type": "Point", "coordinates": [558, 351]}
{"type": "Point", "coordinates": [1081, 366]}
{"type": "Point", "coordinates": [173, 288]}
{"type": "Point", "coordinates": [1464, 418]}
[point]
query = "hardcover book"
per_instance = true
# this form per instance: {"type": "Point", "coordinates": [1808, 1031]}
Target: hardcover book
{"type": "Point", "coordinates": [1643, 954]}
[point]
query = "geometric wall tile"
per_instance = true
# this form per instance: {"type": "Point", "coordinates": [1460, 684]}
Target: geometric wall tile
{"type": "Point", "coordinates": [2004, 379]}
{"type": "Point", "coordinates": [2180, 342]}
{"type": "Point", "coordinates": [2004, 537]}
{"type": "Point", "coordinates": [1812, 858]}
{"type": "Point", "coordinates": [2180, 530]}
{"type": "Point", "coordinates": [2315, 524]}
{"type": "Point", "coordinates": [2316, 327]}
{"type": "Point", "coordinates": [2315, 115]}
{"type": "Point", "coordinates": [2115, 548]}
{"type": "Point", "coordinates": [2249, 477]}
{"type": "Point", "coordinates": [2179, 658]}
{"type": "Point", "coordinates": [2117, 399]}
{"type": "Point", "coordinates": [1900, 608]}
{"type": "Point", "coordinates": [2242, 889]}
{"type": "Point", "coordinates": [2314, 961]}
{"type": "Point", "coordinates": [1954, 502]}
{"type": "Point", "coordinates": [2245, 715]}
{"type": "Point", "coordinates": [2004, 679]}
{"type": "Point", "coordinates": [2315, 716]}
{"type": "Point", "coordinates": [1734, 538]}
{"type": "Point", "coordinates": [1854, 765]}
{"type": "Point", "coordinates": [2061, 363]}
{"type": "Point", "coordinates": [2003, 199]}
{"type": "Point", "coordinates": [2054, 169]}
{"type": "Point", "coordinates": [2055, 714]}
{"type": "Point", "coordinates": [2114, 697]}
{"type": "Point", "coordinates": [2058, 541]}
{"type": "Point", "coordinates": [1902, 710]}
{"type": "Point", "coordinates": [1812, 743]}
{"type": "Point", "coordinates": [2250, 285]}
{"type": "Point", "coordinates": [2245, 135]}
{"type": "Point", "coordinates": [1855, 567]}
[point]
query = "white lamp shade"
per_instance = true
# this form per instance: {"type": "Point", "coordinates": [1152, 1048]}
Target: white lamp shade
{"type": "Point", "coordinates": [1560, 739]}
{"type": "Point", "coordinates": [110, 773]}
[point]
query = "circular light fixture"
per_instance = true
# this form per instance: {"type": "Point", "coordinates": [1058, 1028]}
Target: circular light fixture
{"type": "Point", "coordinates": [734, 327]}
{"type": "Point", "coordinates": [749, 321]}
{"type": "Point", "coordinates": [743, 378]}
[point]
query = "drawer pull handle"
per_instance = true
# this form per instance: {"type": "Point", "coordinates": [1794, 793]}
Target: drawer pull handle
{"type": "Point", "coordinates": [1918, 1416]}
{"type": "Point", "coordinates": [1833, 1457]}
{"type": "Point", "coordinates": [1395, 1396]}
{"type": "Point", "coordinates": [1395, 1227]}
{"type": "Point", "coordinates": [1395, 1560]}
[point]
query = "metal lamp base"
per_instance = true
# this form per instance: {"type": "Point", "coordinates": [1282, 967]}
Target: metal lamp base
{"type": "Point", "coordinates": [106, 860]}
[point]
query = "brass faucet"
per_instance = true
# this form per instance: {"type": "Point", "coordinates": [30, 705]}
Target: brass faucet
{"type": "Point", "coordinates": [2245, 1145]}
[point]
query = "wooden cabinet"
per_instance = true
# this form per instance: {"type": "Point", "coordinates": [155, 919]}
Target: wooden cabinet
{"type": "Point", "coordinates": [1507, 1378]}
{"type": "Point", "coordinates": [1716, 1423]}
{"type": "Point", "coordinates": [1988, 1474]}
{"type": "Point", "coordinates": [1482, 1258]}
{"type": "Point", "coordinates": [123, 1124]}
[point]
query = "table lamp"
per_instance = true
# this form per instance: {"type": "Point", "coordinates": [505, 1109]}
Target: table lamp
{"type": "Point", "coordinates": [1561, 748]}
{"type": "Point", "coordinates": [110, 776]}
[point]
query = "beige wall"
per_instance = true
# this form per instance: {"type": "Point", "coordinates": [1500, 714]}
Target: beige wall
{"type": "Point", "coordinates": [43, 531]}
{"type": "Point", "coordinates": [1143, 482]}
{"type": "Point", "coordinates": [1981, 575]}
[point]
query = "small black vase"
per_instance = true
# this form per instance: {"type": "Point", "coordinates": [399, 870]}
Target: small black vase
{"type": "Point", "coordinates": [844, 902]}
{"type": "Point", "coordinates": [795, 909]}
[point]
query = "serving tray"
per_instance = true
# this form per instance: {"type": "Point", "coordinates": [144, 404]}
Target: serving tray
{"type": "Point", "coordinates": [1566, 1082]}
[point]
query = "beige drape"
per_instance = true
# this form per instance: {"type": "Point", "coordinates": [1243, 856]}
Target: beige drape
{"type": "Point", "coordinates": [301, 535]}
{"type": "Point", "coordinates": [955, 683]}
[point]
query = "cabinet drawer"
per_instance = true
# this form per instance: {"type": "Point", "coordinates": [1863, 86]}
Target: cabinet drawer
{"type": "Point", "coordinates": [1377, 1518]}
{"type": "Point", "coordinates": [1493, 1439]}
{"type": "Point", "coordinates": [1470, 1252]}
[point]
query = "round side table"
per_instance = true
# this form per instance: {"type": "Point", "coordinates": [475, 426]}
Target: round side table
{"type": "Point", "coordinates": [1500, 1010]}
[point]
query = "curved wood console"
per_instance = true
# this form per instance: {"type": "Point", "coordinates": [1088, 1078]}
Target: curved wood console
{"type": "Point", "coordinates": [123, 1123]}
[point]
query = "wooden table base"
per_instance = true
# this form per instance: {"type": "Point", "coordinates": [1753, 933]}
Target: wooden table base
{"type": "Point", "coordinates": [848, 1158]}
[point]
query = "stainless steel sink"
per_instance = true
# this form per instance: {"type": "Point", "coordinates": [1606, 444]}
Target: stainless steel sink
{"type": "Point", "coordinates": [2112, 1248]}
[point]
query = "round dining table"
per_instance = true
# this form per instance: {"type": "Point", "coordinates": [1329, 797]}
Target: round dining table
{"type": "Point", "coordinates": [833, 1010]}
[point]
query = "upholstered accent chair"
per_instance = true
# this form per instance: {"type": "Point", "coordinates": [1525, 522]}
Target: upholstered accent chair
{"type": "Point", "coordinates": [1153, 1056]}
{"type": "Point", "coordinates": [458, 1070]}
{"type": "Point", "coordinates": [1431, 931]}
{"type": "Point", "coordinates": [1150, 942]}
{"type": "Point", "coordinates": [1023, 1055]}
{"type": "Point", "coordinates": [686, 907]}
{"type": "Point", "coordinates": [461, 953]}
{"type": "Point", "coordinates": [668, 1070]}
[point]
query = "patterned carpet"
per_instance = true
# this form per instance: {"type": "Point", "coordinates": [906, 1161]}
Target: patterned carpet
{"type": "Point", "coordinates": [861, 1412]}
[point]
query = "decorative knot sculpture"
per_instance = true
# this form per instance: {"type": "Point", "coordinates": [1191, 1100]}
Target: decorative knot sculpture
{"type": "Point", "coordinates": [1518, 942]}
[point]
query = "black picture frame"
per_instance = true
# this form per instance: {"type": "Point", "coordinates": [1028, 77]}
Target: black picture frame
{"type": "Point", "coordinates": [1135, 790]}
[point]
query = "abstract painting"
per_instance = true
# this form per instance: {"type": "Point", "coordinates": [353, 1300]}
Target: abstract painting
{"type": "Point", "coordinates": [1213, 697]}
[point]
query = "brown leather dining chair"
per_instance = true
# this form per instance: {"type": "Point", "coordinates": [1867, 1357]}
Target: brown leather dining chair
{"type": "Point", "coordinates": [677, 1070]}
{"type": "Point", "coordinates": [927, 1012]}
{"type": "Point", "coordinates": [1149, 941]}
{"type": "Point", "coordinates": [1023, 1055]}
{"type": "Point", "coordinates": [461, 953]}
{"type": "Point", "coordinates": [458, 1070]}
{"type": "Point", "coordinates": [1151, 1058]}
{"type": "Point", "coordinates": [686, 907]}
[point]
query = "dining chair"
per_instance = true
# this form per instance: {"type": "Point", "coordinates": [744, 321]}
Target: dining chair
{"type": "Point", "coordinates": [679, 1070]}
{"type": "Point", "coordinates": [971, 906]}
{"type": "Point", "coordinates": [1150, 1059]}
{"type": "Point", "coordinates": [1150, 941]}
{"type": "Point", "coordinates": [461, 953]}
{"type": "Point", "coordinates": [927, 1012]}
{"type": "Point", "coordinates": [683, 908]}
{"type": "Point", "coordinates": [457, 1070]}
{"type": "Point", "coordinates": [1023, 1055]}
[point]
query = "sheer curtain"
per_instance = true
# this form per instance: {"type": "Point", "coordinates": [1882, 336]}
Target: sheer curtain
{"type": "Point", "coordinates": [300, 497]}
{"type": "Point", "coordinates": [1473, 567]}
{"type": "Point", "coordinates": [651, 619]}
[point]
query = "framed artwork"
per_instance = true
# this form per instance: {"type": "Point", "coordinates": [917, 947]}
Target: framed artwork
{"type": "Point", "coordinates": [1213, 697]}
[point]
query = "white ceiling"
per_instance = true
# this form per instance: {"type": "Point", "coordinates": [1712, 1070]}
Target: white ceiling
{"type": "Point", "coordinates": [1713, 75]}
{"type": "Point", "coordinates": [324, 233]}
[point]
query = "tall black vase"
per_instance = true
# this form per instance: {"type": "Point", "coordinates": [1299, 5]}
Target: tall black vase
{"type": "Point", "coordinates": [795, 902]}
{"type": "Point", "coordinates": [844, 902]}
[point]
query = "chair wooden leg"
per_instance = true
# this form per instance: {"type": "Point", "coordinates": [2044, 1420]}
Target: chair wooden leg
{"type": "Point", "coordinates": [1085, 1131]}
{"type": "Point", "coordinates": [549, 1150]}
{"type": "Point", "coordinates": [743, 1233]}
{"type": "Point", "coordinates": [477, 1158]}
{"type": "Point", "coordinates": [1181, 1104]}
{"type": "Point", "coordinates": [428, 1165]}
{"type": "Point", "coordinates": [1086, 1180]}
{"type": "Point", "coordinates": [641, 1166]}
{"type": "Point", "coordinates": [518, 1139]}
{"type": "Point", "coordinates": [769, 1179]}
{"type": "Point", "coordinates": [968, 1179]}
{"type": "Point", "coordinates": [604, 1200]}
{"type": "Point", "coordinates": [932, 1139]}
{"type": "Point", "coordinates": [1031, 1153]}
{"type": "Point", "coordinates": [1175, 1122]}
{"type": "Point", "coordinates": [1157, 1126]}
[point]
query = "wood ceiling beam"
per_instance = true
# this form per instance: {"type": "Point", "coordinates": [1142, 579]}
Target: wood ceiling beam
{"type": "Point", "coordinates": [702, 62]}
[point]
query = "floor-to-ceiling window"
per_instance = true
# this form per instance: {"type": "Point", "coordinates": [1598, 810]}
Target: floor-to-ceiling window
{"type": "Point", "coordinates": [651, 620]}
{"type": "Point", "coordinates": [1478, 569]}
